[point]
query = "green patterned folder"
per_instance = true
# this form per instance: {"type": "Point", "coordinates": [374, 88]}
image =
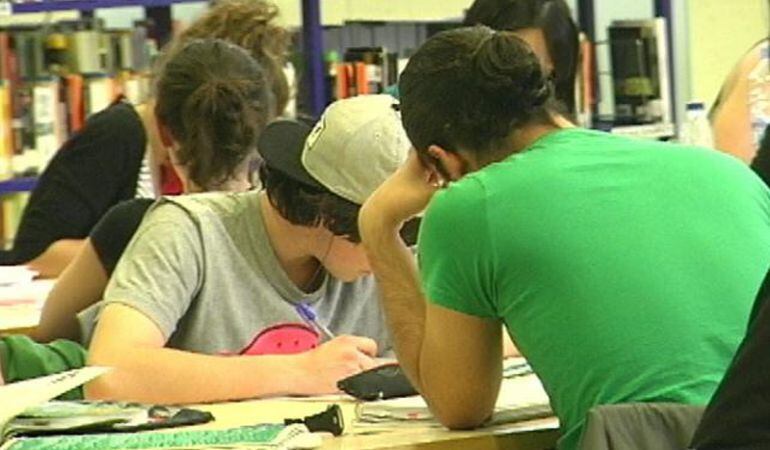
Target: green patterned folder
{"type": "Point", "coordinates": [266, 436]}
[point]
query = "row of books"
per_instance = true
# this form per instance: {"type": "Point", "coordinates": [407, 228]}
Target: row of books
{"type": "Point", "coordinates": [363, 70]}
{"type": "Point", "coordinates": [52, 77]}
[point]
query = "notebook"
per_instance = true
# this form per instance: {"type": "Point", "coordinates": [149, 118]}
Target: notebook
{"type": "Point", "coordinates": [89, 417]}
{"type": "Point", "coordinates": [257, 437]}
{"type": "Point", "coordinates": [17, 397]}
{"type": "Point", "coordinates": [27, 396]}
{"type": "Point", "coordinates": [521, 398]}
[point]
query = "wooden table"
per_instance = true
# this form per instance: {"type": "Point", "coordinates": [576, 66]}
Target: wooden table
{"type": "Point", "coordinates": [532, 435]}
{"type": "Point", "coordinates": [20, 312]}
{"type": "Point", "coordinates": [20, 305]}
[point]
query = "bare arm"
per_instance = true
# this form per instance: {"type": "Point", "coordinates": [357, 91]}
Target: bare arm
{"type": "Point", "coordinates": [80, 285]}
{"type": "Point", "coordinates": [145, 371]}
{"type": "Point", "coordinates": [731, 120]}
{"type": "Point", "coordinates": [56, 257]}
{"type": "Point", "coordinates": [458, 373]}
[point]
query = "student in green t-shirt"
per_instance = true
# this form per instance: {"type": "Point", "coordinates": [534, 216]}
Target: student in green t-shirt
{"type": "Point", "coordinates": [624, 270]}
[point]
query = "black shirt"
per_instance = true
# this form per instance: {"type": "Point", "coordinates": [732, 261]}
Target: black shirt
{"type": "Point", "coordinates": [738, 416]}
{"type": "Point", "coordinates": [114, 231]}
{"type": "Point", "coordinates": [94, 170]}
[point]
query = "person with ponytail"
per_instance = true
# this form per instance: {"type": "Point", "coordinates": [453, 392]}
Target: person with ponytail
{"type": "Point", "coordinates": [212, 103]}
{"type": "Point", "coordinates": [621, 271]}
{"type": "Point", "coordinates": [119, 154]}
{"type": "Point", "coordinates": [547, 26]}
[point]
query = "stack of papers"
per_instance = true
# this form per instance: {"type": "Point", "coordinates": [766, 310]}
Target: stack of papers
{"type": "Point", "coordinates": [21, 297]}
{"type": "Point", "coordinates": [11, 275]}
{"type": "Point", "coordinates": [521, 397]}
{"type": "Point", "coordinates": [20, 396]}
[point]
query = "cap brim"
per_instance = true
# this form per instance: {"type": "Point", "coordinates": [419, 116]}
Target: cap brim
{"type": "Point", "coordinates": [281, 144]}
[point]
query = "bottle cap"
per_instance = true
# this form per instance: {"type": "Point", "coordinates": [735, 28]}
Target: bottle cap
{"type": "Point", "coordinates": [695, 106]}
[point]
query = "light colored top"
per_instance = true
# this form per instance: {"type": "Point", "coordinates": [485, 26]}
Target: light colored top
{"type": "Point", "coordinates": [759, 93]}
{"type": "Point", "coordinates": [624, 270]}
{"type": "Point", "coordinates": [144, 184]}
{"type": "Point", "coordinates": [202, 268]}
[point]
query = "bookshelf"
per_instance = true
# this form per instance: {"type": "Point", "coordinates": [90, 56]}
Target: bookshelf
{"type": "Point", "coordinates": [86, 5]}
{"type": "Point", "coordinates": [16, 185]}
{"type": "Point", "coordinates": [54, 75]}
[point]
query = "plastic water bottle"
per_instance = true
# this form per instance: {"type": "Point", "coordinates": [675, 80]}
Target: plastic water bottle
{"type": "Point", "coordinates": [696, 129]}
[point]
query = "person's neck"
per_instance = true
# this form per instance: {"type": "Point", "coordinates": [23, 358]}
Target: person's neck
{"type": "Point", "coordinates": [146, 114]}
{"type": "Point", "coordinates": [239, 183]}
{"type": "Point", "coordinates": [523, 138]}
{"type": "Point", "coordinates": [299, 249]}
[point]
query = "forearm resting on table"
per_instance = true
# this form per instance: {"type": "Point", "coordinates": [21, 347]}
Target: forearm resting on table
{"type": "Point", "coordinates": [452, 359]}
{"type": "Point", "coordinates": [145, 371]}
{"type": "Point", "coordinates": [396, 272]}
{"type": "Point", "coordinates": [80, 285]}
{"type": "Point", "coordinates": [55, 258]}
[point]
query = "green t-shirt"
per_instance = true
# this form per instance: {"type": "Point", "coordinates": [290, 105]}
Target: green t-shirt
{"type": "Point", "coordinates": [623, 269]}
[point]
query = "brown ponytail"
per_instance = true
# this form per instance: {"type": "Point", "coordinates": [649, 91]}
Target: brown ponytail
{"type": "Point", "coordinates": [213, 98]}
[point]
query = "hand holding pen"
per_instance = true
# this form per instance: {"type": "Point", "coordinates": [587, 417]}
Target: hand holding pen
{"type": "Point", "coordinates": [337, 358]}
{"type": "Point", "coordinates": [309, 316]}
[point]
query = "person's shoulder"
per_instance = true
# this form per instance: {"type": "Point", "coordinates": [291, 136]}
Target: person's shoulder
{"type": "Point", "coordinates": [456, 202]}
{"type": "Point", "coordinates": [130, 208]}
{"type": "Point", "coordinates": [214, 201]}
{"type": "Point", "coordinates": [127, 213]}
{"type": "Point", "coordinates": [759, 52]}
{"type": "Point", "coordinates": [118, 119]}
{"type": "Point", "coordinates": [121, 113]}
{"type": "Point", "coordinates": [468, 188]}
{"type": "Point", "coordinates": [210, 207]}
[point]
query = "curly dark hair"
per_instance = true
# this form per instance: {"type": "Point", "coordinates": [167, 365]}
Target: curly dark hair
{"type": "Point", "coordinates": [251, 24]}
{"type": "Point", "coordinates": [213, 98]}
{"type": "Point", "coordinates": [469, 88]}
{"type": "Point", "coordinates": [303, 205]}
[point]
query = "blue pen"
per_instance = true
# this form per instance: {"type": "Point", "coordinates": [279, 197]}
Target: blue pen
{"type": "Point", "coordinates": [308, 315]}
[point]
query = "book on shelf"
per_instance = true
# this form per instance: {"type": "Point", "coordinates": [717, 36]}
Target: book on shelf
{"type": "Point", "coordinates": [73, 90]}
{"type": "Point", "coordinates": [99, 92]}
{"type": "Point", "coordinates": [53, 76]}
{"type": "Point", "coordinates": [6, 132]}
{"type": "Point", "coordinates": [11, 209]}
{"type": "Point", "coordinates": [85, 48]}
{"type": "Point", "coordinates": [364, 70]}
{"type": "Point", "coordinates": [91, 67]}
{"type": "Point", "coordinates": [48, 120]}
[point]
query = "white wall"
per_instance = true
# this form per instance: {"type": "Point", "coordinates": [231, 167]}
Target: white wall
{"type": "Point", "coordinates": [123, 17]}
{"type": "Point", "coordinates": [720, 32]}
{"type": "Point", "coordinates": [335, 12]}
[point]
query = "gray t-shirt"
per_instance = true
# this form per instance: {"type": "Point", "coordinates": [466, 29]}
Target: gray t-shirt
{"type": "Point", "coordinates": [202, 268]}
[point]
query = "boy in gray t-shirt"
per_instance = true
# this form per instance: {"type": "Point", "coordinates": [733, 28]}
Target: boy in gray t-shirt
{"type": "Point", "coordinates": [202, 305]}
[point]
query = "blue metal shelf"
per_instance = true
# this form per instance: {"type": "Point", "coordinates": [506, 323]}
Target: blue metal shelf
{"type": "Point", "coordinates": [86, 5]}
{"type": "Point", "coordinates": [14, 185]}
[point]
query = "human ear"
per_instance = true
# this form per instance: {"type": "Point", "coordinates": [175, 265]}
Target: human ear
{"type": "Point", "coordinates": [450, 165]}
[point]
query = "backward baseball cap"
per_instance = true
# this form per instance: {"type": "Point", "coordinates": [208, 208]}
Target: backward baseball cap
{"type": "Point", "coordinates": [356, 145]}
